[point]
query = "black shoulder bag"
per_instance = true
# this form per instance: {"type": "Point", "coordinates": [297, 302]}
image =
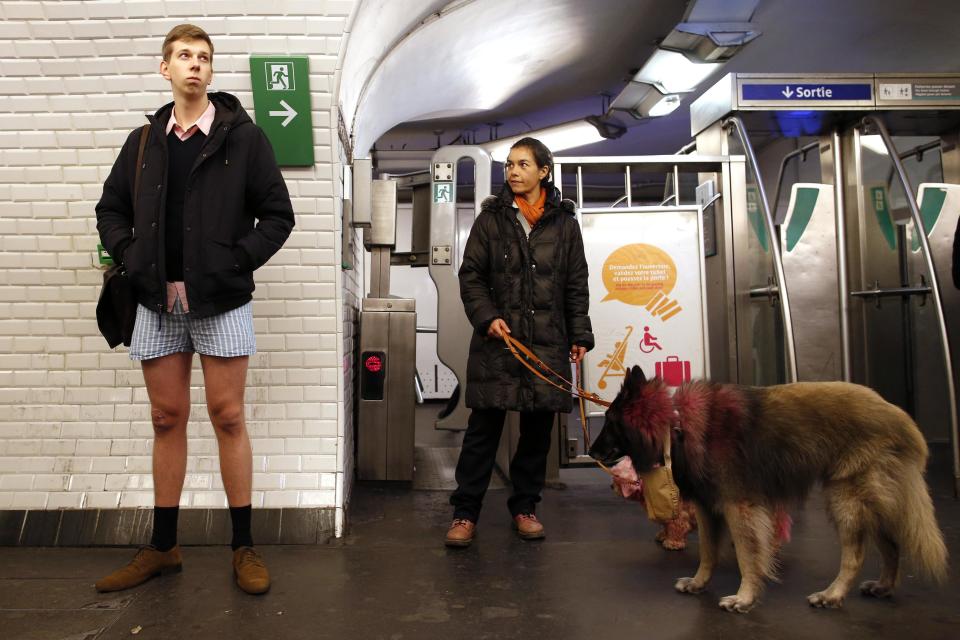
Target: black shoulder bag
{"type": "Point", "coordinates": [117, 306]}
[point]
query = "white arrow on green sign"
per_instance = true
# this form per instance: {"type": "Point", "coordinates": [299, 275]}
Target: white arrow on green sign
{"type": "Point", "coordinates": [281, 99]}
{"type": "Point", "coordinates": [288, 111]}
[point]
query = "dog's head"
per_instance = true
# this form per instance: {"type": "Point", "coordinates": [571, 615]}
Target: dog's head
{"type": "Point", "coordinates": [636, 423]}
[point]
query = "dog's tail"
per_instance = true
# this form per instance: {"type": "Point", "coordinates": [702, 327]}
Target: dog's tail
{"type": "Point", "coordinates": [920, 537]}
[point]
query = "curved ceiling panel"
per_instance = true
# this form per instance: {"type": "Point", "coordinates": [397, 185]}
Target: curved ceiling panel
{"type": "Point", "coordinates": [477, 57]}
{"type": "Point", "coordinates": [379, 25]}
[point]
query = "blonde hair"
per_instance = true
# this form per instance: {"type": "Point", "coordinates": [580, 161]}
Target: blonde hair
{"type": "Point", "coordinates": [185, 32]}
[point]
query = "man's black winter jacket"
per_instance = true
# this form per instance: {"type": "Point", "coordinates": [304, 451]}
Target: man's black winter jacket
{"type": "Point", "coordinates": [237, 211]}
{"type": "Point", "coordinates": [538, 285]}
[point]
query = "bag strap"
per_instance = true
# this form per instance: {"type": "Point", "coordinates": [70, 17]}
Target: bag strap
{"type": "Point", "coordinates": [666, 450]}
{"type": "Point", "coordinates": [144, 134]}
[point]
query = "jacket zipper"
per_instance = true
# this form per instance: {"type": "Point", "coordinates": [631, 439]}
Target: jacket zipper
{"type": "Point", "coordinates": [161, 214]}
{"type": "Point", "coordinates": [527, 275]}
{"type": "Point", "coordinates": [528, 258]}
{"type": "Point", "coordinates": [206, 152]}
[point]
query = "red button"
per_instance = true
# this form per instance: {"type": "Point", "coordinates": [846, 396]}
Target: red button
{"type": "Point", "coordinates": [373, 364]}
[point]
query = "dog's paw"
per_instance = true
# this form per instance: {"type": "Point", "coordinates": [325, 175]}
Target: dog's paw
{"type": "Point", "coordinates": [688, 585]}
{"type": "Point", "coordinates": [736, 603]}
{"type": "Point", "coordinates": [823, 600]}
{"type": "Point", "coordinates": [674, 545]}
{"type": "Point", "coordinates": [876, 589]}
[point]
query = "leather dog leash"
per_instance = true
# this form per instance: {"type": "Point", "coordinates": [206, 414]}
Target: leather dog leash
{"type": "Point", "coordinates": [530, 360]}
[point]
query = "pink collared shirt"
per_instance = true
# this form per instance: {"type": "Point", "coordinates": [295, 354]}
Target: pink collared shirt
{"type": "Point", "coordinates": [203, 123]}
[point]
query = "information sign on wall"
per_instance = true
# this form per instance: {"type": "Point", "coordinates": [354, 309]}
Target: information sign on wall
{"type": "Point", "coordinates": [281, 98]}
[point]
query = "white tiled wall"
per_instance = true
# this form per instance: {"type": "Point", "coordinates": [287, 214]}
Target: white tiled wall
{"type": "Point", "coordinates": [75, 78]}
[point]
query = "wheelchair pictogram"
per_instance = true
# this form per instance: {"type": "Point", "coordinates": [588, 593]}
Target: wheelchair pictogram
{"type": "Point", "coordinates": [649, 344]}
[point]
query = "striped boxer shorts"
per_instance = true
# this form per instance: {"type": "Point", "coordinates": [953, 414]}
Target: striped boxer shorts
{"type": "Point", "coordinates": [226, 335]}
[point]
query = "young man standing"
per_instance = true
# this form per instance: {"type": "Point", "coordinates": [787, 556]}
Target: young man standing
{"type": "Point", "coordinates": [206, 206]}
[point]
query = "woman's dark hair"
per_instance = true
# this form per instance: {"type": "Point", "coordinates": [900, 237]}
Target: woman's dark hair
{"type": "Point", "coordinates": [541, 155]}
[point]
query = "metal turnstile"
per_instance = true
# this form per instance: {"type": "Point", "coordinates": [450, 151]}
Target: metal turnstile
{"type": "Point", "coordinates": [853, 281]}
{"type": "Point", "coordinates": [448, 236]}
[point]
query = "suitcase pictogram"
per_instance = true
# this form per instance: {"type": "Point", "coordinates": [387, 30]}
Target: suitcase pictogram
{"type": "Point", "coordinates": [674, 371]}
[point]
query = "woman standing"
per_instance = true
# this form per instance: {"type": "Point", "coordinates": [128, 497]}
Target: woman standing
{"type": "Point", "coordinates": [524, 273]}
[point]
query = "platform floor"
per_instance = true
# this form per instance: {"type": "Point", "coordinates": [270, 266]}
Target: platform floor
{"type": "Point", "coordinates": [598, 574]}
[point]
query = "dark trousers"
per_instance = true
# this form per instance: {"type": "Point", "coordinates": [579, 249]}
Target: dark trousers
{"type": "Point", "coordinates": [528, 469]}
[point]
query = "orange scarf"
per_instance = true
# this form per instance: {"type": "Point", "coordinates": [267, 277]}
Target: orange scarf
{"type": "Point", "coordinates": [532, 212]}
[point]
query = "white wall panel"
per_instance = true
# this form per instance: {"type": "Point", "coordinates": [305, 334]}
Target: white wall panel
{"type": "Point", "coordinates": [75, 432]}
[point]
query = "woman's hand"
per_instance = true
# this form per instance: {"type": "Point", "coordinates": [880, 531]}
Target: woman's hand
{"type": "Point", "coordinates": [576, 353]}
{"type": "Point", "coordinates": [497, 328]}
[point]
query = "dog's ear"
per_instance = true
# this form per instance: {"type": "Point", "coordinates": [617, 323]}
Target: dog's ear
{"type": "Point", "coordinates": [627, 385]}
{"type": "Point", "coordinates": [633, 380]}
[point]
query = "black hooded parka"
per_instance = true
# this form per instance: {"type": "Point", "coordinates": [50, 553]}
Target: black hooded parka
{"type": "Point", "coordinates": [538, 286]}
{"type": "Point", "coordinates": [236, 211]}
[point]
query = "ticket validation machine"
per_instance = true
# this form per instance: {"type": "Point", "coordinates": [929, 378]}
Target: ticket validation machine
{"type": "Point", "coordinates": [386, 401]}
{"type": "Point", "coordinates": [387, 353]}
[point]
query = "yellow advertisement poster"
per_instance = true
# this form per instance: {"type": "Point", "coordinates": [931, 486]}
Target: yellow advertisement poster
{"type": "Point", "coordinates": [642, 275]}
{"type": "Point", "coordinates": [646, 297]}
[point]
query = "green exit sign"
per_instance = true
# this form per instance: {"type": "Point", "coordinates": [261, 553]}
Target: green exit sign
{"type": "Point", "coordinates": [281, 99]}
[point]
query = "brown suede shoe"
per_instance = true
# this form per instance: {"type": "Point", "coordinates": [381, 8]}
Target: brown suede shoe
{"type": "Point", "coordinates": [460, 533]}
{"type": "Point", "coordinates": [528, 527]}
{"type": "Point", "coordinates": [146, 564]}
{"type": "Point", "coordinates": [251, 572]}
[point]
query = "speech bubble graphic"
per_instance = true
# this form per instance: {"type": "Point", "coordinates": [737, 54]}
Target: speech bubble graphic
{"type": "Point", "coordinates": [634, 273]}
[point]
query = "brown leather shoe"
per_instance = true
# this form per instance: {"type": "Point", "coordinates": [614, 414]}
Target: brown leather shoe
{"type": "Point", "coordinates": [146, 564]}
{"type": "Point", "coordinates": [460, 533]}
{"type": "Point", "coordinates": [251, 572]}
{"type": "Point", "coordinates": [528, 527]}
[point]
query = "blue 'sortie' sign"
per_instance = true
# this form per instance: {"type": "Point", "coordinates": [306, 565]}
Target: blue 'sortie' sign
{"type": "Point", "coordinates": [792, 91]}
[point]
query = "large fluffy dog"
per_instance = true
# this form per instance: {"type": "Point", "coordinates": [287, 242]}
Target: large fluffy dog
{"type": "Point", "coordinates": [741, 453]}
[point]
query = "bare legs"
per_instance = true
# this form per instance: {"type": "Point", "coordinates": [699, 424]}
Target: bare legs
{"type": "Point", "coordinates": [225, 379]}
{"type": "Point", "coordinates": [168, 386]}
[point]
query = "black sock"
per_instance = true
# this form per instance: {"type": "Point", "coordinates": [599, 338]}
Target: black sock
{"type": "Point", "coordinates": [240, 516]}
{"type": "Point", "coordinates": [164, 528]}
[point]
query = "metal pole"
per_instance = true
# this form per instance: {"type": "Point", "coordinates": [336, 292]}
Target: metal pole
{"type": "Point", "coordinates": [676, 185]}
{"type": "Point", "coordinates": [842, 282]}
{"type": "Point", "coordinates": [920, 149]}
{"type": "Point", "coordinates": [629, 188]}
{"type": "Point", "coordinates": [579, 187]}
{"type": "Point", "coordinates": [802, 151]}
{"type": "Point", "coordinates": [774, 246]}
{"type": "Point", "coordinates": [934, 285]}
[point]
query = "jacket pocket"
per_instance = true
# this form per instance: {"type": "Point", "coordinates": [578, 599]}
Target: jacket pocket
{"type": "Point", "coordinates": [138, 266]}
{"type": "Point", "coordinates": [225, 279]}
{"type": "Point", "coordinates": [132, 258]}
